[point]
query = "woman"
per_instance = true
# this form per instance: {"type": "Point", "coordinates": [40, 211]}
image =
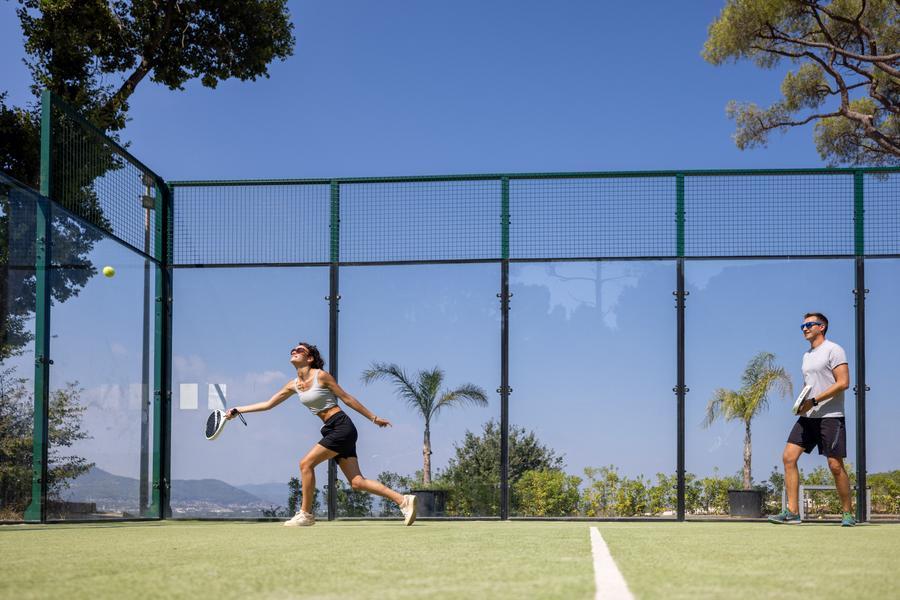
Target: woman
{"type": "Point", "coordinates": [319, 392]}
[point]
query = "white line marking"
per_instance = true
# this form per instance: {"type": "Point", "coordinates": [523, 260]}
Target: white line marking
{"type": "Point", "coordinates": [607, 577]}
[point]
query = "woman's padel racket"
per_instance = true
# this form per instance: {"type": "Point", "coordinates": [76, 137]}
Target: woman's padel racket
{"type": "Point", "coordinates": [215, 423]}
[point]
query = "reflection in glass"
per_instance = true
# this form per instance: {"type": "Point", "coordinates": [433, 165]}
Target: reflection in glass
{"type": "Point", "coordinates": [592, 365]}
{"type": "Point", "coordinates": [233, 332]}
{"type": "Point", "coordinates": [882, 408]}
{"type": "Point", "coordinates": [735, 311]}
{"type": "Point", "coordinates": [425, 319]}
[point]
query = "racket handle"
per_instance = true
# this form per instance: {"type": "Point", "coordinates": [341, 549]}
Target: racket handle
{"type": "Point", "coordinates": [242, 418]}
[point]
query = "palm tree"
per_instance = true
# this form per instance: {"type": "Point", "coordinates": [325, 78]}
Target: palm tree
{"type": "Point", "coordinates": [760, 376]}
{"type": "Point", "coordinates": [426, 397]}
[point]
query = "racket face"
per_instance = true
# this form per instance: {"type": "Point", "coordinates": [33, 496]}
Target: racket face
{"type": "Point", "coordinates": [214, 424]}
{"type": "Point", "coordinates": [804, 394]}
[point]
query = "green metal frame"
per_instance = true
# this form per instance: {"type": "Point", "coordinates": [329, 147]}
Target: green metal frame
{"type": "Point", "coordinates": [37, 509]}
{"type": "Point", "coordinates": [162, 357]}
{"type": "Point", "coordinates": [164, 258]}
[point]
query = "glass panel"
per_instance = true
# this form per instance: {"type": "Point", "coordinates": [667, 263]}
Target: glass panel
{"type": "Point", "coordinates": [101, 380]}
{"type": "Point", "coordinates": [592, 366]}
{"type": "Point", "coordinates": [882, 408]}
{"type": "Point", "coordinates": [17, 237]}
{"type": "Point", "coordinates": [422, 319]}
{"type": "Point", "coordinates": [233, 332]}
{"type": "Point", "coordinates": [735, 311]}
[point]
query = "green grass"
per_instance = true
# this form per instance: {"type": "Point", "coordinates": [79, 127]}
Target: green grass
{"type": "Point", "coordinates": [758, 560]}
{"type": "Point", "coordinates": [330, 560]}
{"type": "Point", "coordinates": [365, 559]}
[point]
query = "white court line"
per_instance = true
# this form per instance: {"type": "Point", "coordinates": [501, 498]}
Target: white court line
{"type": "Point", "coordinates": [607, 577]}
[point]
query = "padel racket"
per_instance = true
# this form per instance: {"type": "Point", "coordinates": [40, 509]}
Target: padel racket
{"type": "Point", "coordinates": [215, 423]}
{"type": "Point", "coordinates": [804, 394]}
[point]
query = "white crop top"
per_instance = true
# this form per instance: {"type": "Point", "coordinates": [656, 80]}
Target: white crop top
{"type": "Point", "coordinates": [317, 399]}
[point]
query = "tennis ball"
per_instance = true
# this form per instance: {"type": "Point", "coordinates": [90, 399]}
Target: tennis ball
{"type": "Point", "coordinates": [109, 271]}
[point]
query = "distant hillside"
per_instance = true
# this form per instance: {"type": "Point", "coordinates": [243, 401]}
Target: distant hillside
{"type": "Point", "coordinates": [276, 493]}
{"type": "Point", "coordinates": [98, 485]}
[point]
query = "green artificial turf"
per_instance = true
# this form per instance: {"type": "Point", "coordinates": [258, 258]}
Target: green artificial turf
{"type": "Point", "coordinates": [381, 559]}
{"type": "Point", "coordinates": [756, 560]}
{"type": "Point", "coordinates": [356, 559]}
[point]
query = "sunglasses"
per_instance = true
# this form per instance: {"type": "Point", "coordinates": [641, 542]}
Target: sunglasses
{"type": "Point", "coordinates": [299, 350]}
{"type": "Point", "coordinates": [810, 324]}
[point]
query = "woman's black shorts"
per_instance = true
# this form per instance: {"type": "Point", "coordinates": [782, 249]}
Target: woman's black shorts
{"type": "Point", "coordinates": [339, 435]}
{"type": "Point", "coordinates": [828, 434]}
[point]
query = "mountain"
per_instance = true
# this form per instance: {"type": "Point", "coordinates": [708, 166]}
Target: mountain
{"type": "Point", "coordinates": [275, 493]}
{"type": "Point", "coordinates": [98, 485]}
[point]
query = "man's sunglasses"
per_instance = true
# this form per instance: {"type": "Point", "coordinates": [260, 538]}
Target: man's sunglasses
{"type": "Point", "coordinates": [810, 324]}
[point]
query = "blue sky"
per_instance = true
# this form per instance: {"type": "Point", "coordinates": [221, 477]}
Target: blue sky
{"type": "Point", "coordinates": [420, 88]}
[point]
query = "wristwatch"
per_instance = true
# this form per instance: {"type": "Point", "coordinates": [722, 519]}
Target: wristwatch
{"type": "Point", "coordinates": [814, 401]}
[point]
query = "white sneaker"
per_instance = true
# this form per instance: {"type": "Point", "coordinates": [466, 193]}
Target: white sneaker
{"type": "Point", "coordinates": [408, 508]}
{"type": "Point", "coordinates": [301, 519]}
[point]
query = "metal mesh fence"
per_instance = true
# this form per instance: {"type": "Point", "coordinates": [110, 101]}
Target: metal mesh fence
{"type": "Point", "coordinates": [586, 218]}
{"type": "Point", "coordinates": [577, 216]}
{"type": "Point", "coordinates": [420, 221]}
{"type": "Point", "coordinates": [881, 192]}
{"type": "Point", "coordinates": [97, 180]}
{"type": "Point", "coordinates": [769, 215]}
{"type": "Point", "coordinates": [251, 224]}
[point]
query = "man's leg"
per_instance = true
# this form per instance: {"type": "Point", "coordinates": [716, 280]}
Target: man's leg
{"type": "Point", "coordinates": [790, 456]}
{"type": "Point", "coordinates": [841, 482]}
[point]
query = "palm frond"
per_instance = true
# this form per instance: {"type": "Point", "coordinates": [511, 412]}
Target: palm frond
{"type": "Point", "coordinates": [725, 404]}
{"type": "Point", "coordinates": [464, 394]}
{"type": "Point", "coordinates": [402, 385]}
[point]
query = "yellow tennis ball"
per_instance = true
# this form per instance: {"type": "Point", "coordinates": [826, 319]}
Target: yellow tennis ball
{"type": "Point", "coordinates": [109, 271]}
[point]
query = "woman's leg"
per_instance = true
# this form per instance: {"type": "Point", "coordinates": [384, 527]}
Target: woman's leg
{"type": "Point", "coordinates": [317, 455]}
{"type": "Point", "coordinates": [350, 467]}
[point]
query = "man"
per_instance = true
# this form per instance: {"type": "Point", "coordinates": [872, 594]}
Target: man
{"type": "Point", "coordinates": [822, 422]}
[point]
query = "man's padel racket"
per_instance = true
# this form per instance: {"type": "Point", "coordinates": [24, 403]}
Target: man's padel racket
{"type": "Point", "coordinates": [215, 423]}
{"type": "Point", "coordinates": [804, 394]}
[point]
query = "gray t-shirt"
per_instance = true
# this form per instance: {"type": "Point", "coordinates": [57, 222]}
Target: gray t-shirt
{"type": "Point", "coordinates": [818, 372]}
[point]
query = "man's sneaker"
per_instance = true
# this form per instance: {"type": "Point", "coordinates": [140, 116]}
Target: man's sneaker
{"type": "Point", "coordinates": [848, 520]}
{"type": "Point", "coordinates": [408, 508]}
{"type": "Point", "coordinates": [301, 519]}
{"type": "Point", "coordinates": [785, 517]}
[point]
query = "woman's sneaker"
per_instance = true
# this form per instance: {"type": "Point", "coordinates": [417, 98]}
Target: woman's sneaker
{"type": "Point", "coordinates": [785, 517]}
{"type": "Point", "coordinates": [848, 520]}
{"type": "Point", "coordinates": [408, 508]}
{"type": "Point", "coordinates": [301, 519]}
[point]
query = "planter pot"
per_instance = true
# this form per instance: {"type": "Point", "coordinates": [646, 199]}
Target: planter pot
{"type": "Point", "coordinates": [430, 503]}
{"type": "Point", "coordinates": [746, 503]}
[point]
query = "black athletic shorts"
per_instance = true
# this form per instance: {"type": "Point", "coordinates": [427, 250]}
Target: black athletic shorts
{"type": "Point", "coordinates": [339, 435]}
{"type": "Point", "coordinates": [828, 434]}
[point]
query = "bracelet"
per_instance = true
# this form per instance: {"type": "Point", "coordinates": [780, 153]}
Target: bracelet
{"type": "Point", "coordinates": [374, 418]}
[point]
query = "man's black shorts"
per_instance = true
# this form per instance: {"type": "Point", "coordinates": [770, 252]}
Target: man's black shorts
{"type": "Point", "coordinates": [339, 435]}
{"type": "Point", "coordinates": [828, 434]}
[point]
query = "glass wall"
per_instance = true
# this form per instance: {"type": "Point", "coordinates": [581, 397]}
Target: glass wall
{"type": "Point", "coordinates": [17, 240]}
{"type": "Point", "coordinates": [233, 332]}
{"type": "Point", "coordinates": [737, 311]}
{"type": "Point", "coordinates": [592, 366]}
{"type": "Point", "coordinates": [101, 379]}
{"type": "Point", "coordinates": [882, 408]}
{"type": "Point", "coordinates": [440, 326]}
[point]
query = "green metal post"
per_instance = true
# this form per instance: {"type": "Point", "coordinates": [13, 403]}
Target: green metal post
{"type": "Point", "coordinates": [37, 509]}
{"type": "Point", "coordinates": [680, 387]}
{"type": "Point", "coordinates": [162, 356]}
{"type": "Point", "coordinates": [333, 308]}
{"type": "Point", "coordinates": [861, 388]}
{"type": "Point", "coordinates": [505, 389]}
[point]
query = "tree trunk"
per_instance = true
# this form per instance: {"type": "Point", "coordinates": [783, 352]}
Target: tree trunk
{"type": "Point", "coordinates": [747, 454]}
{"type": "Point", "coordinates": [426, 456]}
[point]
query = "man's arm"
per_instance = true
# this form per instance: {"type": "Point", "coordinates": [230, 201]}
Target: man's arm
{"type": "Point", "coordinates": [841, 382]}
